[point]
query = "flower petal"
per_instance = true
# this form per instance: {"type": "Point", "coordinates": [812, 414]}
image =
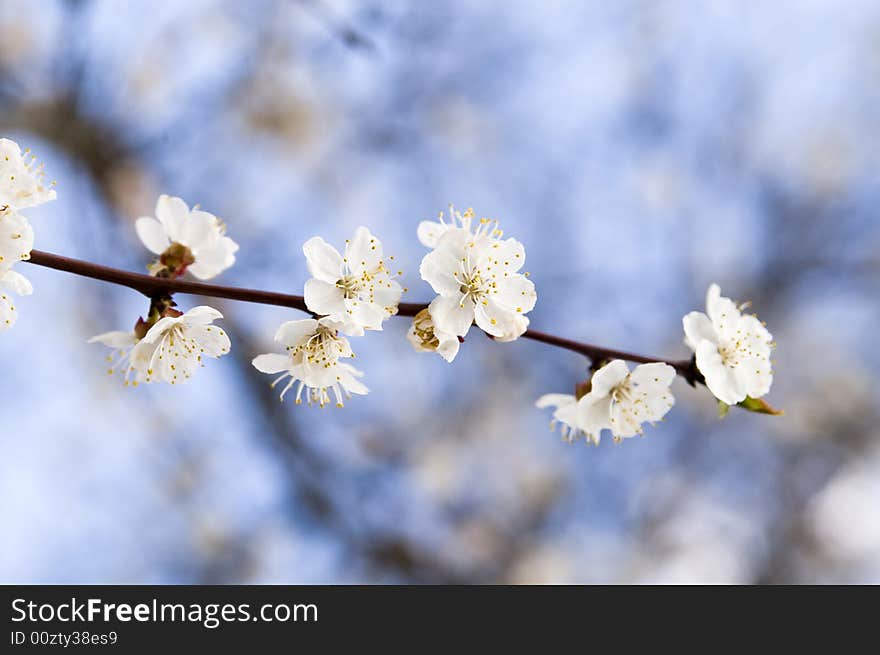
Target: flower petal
{"type": "Point", "coordinates": [172, 213]}
{"type": "Point", "coordinates": [594, 414]}
{"type": "Point", "coordinates": [440, 269]}
{"type": "Point", "coordinates": [322, 259]}
{"type": "Point", "coordinates": [494, 319]}
{"type": "Point", "coordinates": [199, 230]}
{"type": "Point", "coordinates": [213, 259]}
{"type": "Point", "coordinates": [152, 234]}
{"type": "Point", "coordinates": [115, 339]}
{"type": "Point", "coordinates": [515, 330]}
{"type": "Point", "coordinates": [324, 297]}
{"type": "Point", "coordinates": [293, 333]}
{"type": "Point", "coordinates": [654, 375]}
{"type": "Point", "coordinates": [723, 382]}
{"type": "Point", "coordinates": [517, 293]}
{"type": "Point", "coordinates": [449, 346]}
{"type": "Point", "coordinates": [201, 315]}
{"type": "Point", "coordinates": [430, 233]}
{"type": "Point", "coordinates": [155, 333]}
{"type": "Point", "coordinates": [17, 283]}
{"type": "Point", "coordinates": [698, 326]}
{"type": "Point", "coordinates": [212, 340]}
{"type": "Point", "coordinates": [555, 400]}
{"type": "Point", "coordinates": [451, 317]}
{"type": "Point", "coordinates": [608, 377]}
{"type": "Point", "coordinates": [363, 252]}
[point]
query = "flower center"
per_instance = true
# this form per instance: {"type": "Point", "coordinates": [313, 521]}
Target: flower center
{"type": "Point", "coordinates": [423, 327]}
{"type": "Point", "coordinates": [350, 286]}
{"type": "Point", "coordinates": [472, 285]}
{"type": "Point", "coordinates": [323, 348]}
{"type": "Point", "coordinates": [622, 392]}
{"type": "Point", "coordinates": [173, 262]}
{"type": "Point", "coordinates": [730, 353]}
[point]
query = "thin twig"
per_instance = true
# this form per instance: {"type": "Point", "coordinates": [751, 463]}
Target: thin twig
{"type": "Point", "coordinates": [154, 286]}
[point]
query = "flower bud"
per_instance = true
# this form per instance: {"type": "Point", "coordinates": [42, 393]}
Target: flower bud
{"type": "Point", "coordinates": [425, 337]}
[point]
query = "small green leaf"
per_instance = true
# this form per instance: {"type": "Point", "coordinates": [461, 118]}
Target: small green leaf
{"type": "Point", "coordinates": [760, 406]}
{"type": "Point", "coordinates": [723, 408]}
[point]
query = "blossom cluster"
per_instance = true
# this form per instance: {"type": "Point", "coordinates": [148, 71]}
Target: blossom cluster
{"type": "Point", "coordinates": [474, 270]}
{"type": "Point", "coordinates": [731, 352]}
{"type": "Point", "coordinates": [22, 186]}
{"type": "Point", "coordinates": [349, 293]}
{"type": "Point", "coordinates": [170, 345]}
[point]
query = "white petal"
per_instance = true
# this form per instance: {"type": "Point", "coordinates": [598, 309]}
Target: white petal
{"type": "Point", "coordinates": [365, 315]}
{"type": "Point", "coordinates": [757, 379]}
{"type": "Point", "coordinates": [17, 283]}
{"type": "Point", "coordinates": [439, 268]}
{"type": "Point", "coordinates": [594, 414]}
{"type": "Point", "coordinates": [387, 293]}
{"type": "Point", "coordinates": [449, 316]}
{"type": "Point", "coordinates": [201, 315]}
{"type": "Point", "coordinates": [506, 256]}
{"type": "Point", "coordinates": [199, 230]}
{"type": "Point", "coordinates": [517, 293]}
{"type": "Point", "coordinates": [16, 238]}
{"type": "Point", "coordinates": [271, 363]}
{"type": "Point", "coordinates": [364, 252]}
{"type": "Point", "coordinates": [115, 339]}
{"type": "Point", "coordinates": [722, 381]}
{"type": "Point", "coordinates": [430, 232]}
{"type": "Point", "coordinates": [652, 390]}
{"type": "Point", "coordinates": [448, 348]}
{"type": "Point", "coordinates": [517, 328]}
{"type": "Point", "coordinates": [293, 333]}
{"type": "Point", "coordinates": [212, 339]}
{"type": "Point", "coordinates": [214, 259]}
{"type": "Point", "coordinates": [698, 326]}
{"type": "Point", "coordinates": [155, 333]}
{"type": "Point", "coordinates": [322, 259]}
{"type": "Point", "coordinates": [152, 234]}
{"type": "Point", "coordinates": [723, 312]}
{"type": "Point", "coordinates": [494, 319]}
{"type": "Point", "coordinates": [654, 375]}
{"type": "Point", "coordinates": [608, 377]}
{"type": "Point", "coordinates": [555, 400]}
{"type": "Point", "coordinates": [349, 381]}
{"type": "Point", "coordinates": [172, 212]}
{"type": "Point", "coordinates": [324, 297]}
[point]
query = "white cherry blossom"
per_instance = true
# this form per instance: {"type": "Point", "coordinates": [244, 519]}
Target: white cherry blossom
{"type": "Point", "coordinates": [618, 400]}
{"type": "Point", "coordinates": [200, 232]}
{"type": "Point", "coordinates": [426, 337]}
{"type": "Point", "coordinates": [622, 401]}
{"type": "Point", "coordinates": [16, 238]}
{"type": "Point", "coordinates": [21, 178]}
{"type": "Point", "coordinates": [478, 280]}
{"type": "Point", "coordinates": [732, 349]}
{"type": "Point", "coordinates": [16, 283]}
{"type": "Point", "coordinates": [313, 350]}
{"type": "Point", "coordinates": [355, 289]}
{"type": "Point", "coordinates": [175, 346]}
{"type": "Point", "coordinates": [430, 232]}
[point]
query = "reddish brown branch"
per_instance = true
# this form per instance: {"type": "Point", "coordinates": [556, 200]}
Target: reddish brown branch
{"type": "Point", "coordinates": [153, 286]}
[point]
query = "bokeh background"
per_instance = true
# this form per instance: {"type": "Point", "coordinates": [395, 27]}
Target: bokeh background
{"type": "Point", "coordinates": [640, 150]}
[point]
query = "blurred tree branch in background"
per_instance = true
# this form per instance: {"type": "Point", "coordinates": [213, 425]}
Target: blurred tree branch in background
{"type": "Point", "coordinates": [490, 511]}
